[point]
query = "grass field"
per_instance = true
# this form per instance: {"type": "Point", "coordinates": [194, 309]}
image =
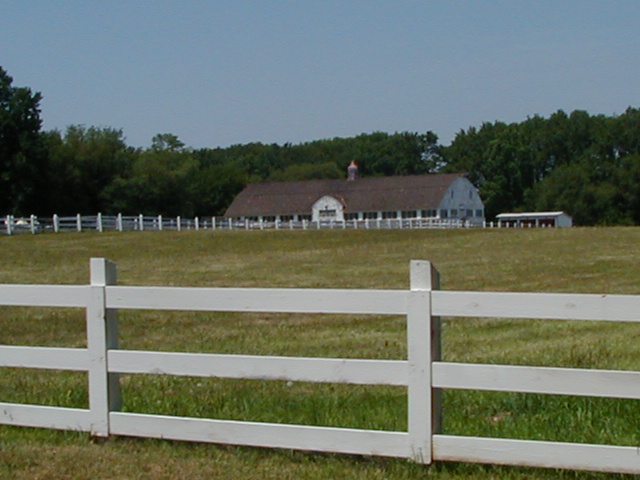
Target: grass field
{"type": "Point", "coordinates": [594, 260]}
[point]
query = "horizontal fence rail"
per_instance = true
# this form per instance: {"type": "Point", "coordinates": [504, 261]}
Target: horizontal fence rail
{"type": "Point", "coordinates": [122, 223]}
{"type": "Point", "coordinates": [423, 373]}
{"type": "Point", "coordinates": [552, 381]}
{"type": "Point", "coordinates": [334, 301]}
{"type": "Point", "coordinates": [599, 458]}
{"type": "Point", "coordinates": [320, 370]}
{"type": "Point", "coordinates": [549, 306]}
{"type": "Point", "coordinates": [297, 437]}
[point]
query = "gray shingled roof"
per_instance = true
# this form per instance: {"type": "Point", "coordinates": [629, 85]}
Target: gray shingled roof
{"type": "Point", "coordinates": [371, 194]}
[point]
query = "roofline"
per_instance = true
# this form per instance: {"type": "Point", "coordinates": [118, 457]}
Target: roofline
{"type": "Point", "coordinates": [531, 214]}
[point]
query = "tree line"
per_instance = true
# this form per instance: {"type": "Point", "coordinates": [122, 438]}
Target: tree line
{"type": "Point", "coordinates": [587, 165]}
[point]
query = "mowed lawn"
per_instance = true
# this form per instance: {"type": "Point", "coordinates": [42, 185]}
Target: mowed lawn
{"type": "Point", "coordinates": [581, 260]}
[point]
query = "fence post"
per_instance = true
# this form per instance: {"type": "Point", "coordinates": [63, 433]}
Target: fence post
{"type": "Point", "coordinates": [56, 223]}
{"type": "Point", "coordinates": [179, 223]}
{"type": "Point", "coordinates": [119, 222]}
{"type": "Point", "coordinates": [159, 223]}
{"type": "Point", "coordinates": [141, 222]}
{"type": "Point", "coordinates": [99, 222]}
{"type": "Point", "coordinates": [423, 341]}
{"type": "Point", "coordinates": [8, 221]}
{"type": "Point", "coordinates": [78, 222]}
{"type": "Point", "coordinates": [102, 335]}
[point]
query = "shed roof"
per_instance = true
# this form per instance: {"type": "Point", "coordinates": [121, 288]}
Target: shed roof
{"type": "Point", "coordinates": [530, 215]}
{"type": "Point", "coordinates": [362, 195]}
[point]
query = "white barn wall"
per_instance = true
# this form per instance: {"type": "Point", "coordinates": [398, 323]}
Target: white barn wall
{"type": "Point", "coordinates": [327, 203]}
{"type": "Point", "coordinates": [462, 195]}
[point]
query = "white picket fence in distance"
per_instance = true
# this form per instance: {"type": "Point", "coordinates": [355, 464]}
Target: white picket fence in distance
{"type": "Point", "coordinates": [423, 373]}
{"type": "Point", "coordinates": [121, 223]}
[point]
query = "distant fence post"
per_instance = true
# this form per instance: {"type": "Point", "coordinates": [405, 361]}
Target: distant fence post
{"type": "Point", "coordinates": [8, 222]}
{"type": "Point", "coordinates": [160, 223]}
{"type": "Point", "coordinates": [141, 222]}
{"type": "Point", "coordinates": [178, 223]}
{"type": "Point", "coordinates": [99, 226]}
{"type": "Point", "coordinates": [423, 347]}
{"type": "Point", "coordinates": [119, 222]}
{"type": "Point", "coordinates": [102, 335]}
{"type": "Point", "coordinates": [56, 223]}
{"type": "Point", "coordinates": [78, 222]}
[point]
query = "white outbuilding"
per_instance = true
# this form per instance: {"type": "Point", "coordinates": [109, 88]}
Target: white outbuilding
{"type": "Point", "coordinates": [535, 219]}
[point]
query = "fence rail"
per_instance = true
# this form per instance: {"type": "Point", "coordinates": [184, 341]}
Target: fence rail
{"type": "Point", "coordinates": [423, 373]}
{"type": "Point", "coordinates": [121, 223]}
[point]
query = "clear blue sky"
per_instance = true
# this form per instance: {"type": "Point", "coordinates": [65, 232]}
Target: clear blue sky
{"type": "Point", "coordinates": [217, 73]}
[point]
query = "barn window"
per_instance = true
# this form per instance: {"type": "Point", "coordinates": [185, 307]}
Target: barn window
{"type": "Point", "coordinates": [269, 218]}
{"type": "Point", "coordinates": [479, 213]}
{"type": "Point", "coordinates": [329, 213]}
{"type": "Point", "coordinates": [286, 218]}
{"type": "Point", "coordinates": [304, 217]}
{"type": "Point", "coordinates": [389, 214]}
{"type": "Point", "coordinates": [429, 213]}
{"type": "Point", "coordinates": [444, 213]}
{"type": "Point", "coordinates": [409, 214]}
{"type": "Point", "coordinates": [352, 216]}
{"type": "Point", "coordinates": [370, 215]}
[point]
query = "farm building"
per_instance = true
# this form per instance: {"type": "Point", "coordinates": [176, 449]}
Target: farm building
{"type": "Point", "coordinates": [534, 219]}
{"type": "Point", "coordinates": [443, 196]}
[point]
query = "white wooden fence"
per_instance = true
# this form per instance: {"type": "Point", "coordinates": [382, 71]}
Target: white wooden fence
{"type": "Point", "coordinates": [122, 223]}
{"type": "Point", "coordinates": [422, 373]}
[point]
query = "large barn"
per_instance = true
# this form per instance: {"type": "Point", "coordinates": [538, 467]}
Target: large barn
{"type": "Point", "coordinates": [443, 196]}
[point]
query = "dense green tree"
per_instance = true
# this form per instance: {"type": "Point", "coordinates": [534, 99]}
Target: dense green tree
{"type": "Point", "coordinates": [23, 161]}
{"type": "Point", "coordinates": [577, 162]}
{"type": "Point", "coordinates": [307, 171]}
{"type": "Point", "coordinates": [590, 200]}
{"type": "Point", "coordinates": [167, 142]}
{"type": "Point", "coordinates": [86, 160]}
{"type": "Point", "coordinates": [214, 188]}
{"type": "Point", "coordinates": [158, 181]}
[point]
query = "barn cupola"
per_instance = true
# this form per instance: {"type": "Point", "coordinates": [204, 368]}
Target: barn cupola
{"type": "Point", "coordinates": [353, 172]}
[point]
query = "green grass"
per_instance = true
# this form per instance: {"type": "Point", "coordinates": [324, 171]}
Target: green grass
{"type": "Point", "coordinates": [594, 260]}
